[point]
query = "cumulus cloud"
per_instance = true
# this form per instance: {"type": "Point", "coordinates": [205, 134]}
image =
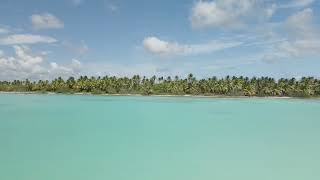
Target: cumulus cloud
{"type": "Point", "coordinates": [304, 16]}
{"type": "Point", "coordinates": [155, 45]}
{"type": "Point", "coordinates": [223, 13]}
{"type": "Point", "coordinates": [301, 34]}
{"type": "Point", "coordinates": [301, 23]}
{"type": "Point", "coordinates": [160, 47]}
{"type": "Point", "coordinates": [26, 39]}
{"type": "Point", "coordinates": [74, 68]}
{"type": "Point", "coordinates": [304, 38]}
{"type": "Point", "coordinates": [25, 64]}
{"type": "Point", "coordinates": [56, 70]}
{"type": "Point", "coordinates": [46, 21]}
{"type": "Point", "coordinates": [237, 13]}
{"type": "Point", "coordinates": [23, 54]}
{"type": "Point", "coordinates": [270, 10]}
{"type": "Point", "coordinates": [300, 47]}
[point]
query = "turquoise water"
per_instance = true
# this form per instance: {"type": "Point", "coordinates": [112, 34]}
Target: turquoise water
{"type": "Point", "coordinates": [56, 137]}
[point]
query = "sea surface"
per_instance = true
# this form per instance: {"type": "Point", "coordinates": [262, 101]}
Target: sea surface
{"type": "Point", "coordinates": [70, 137]}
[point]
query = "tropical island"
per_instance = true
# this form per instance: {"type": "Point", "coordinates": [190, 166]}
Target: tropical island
{"type": "Point", "coordinates": [228, 86]}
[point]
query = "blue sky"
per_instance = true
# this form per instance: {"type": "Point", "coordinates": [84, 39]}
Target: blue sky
{"type": "Point", "coordinates": [45, 39]}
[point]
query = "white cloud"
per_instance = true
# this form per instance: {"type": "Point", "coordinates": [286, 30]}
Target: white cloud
{"type": "Point", "coordinates": [4, 30]}
{"type": "Point", "coordinates": [26, 39]}
{"type": "Point", "coordinates": [73, 69]}
{"type": "Point", "coordinates": [76, 63]}
{"type": "Point", "coordinates": [300, 47]}
{"type": "Point", "coordinates": [46, 21]}
{"type": "Point", "coordinates": [237, 13]}
{"type": "Point", "coordinates": [302, 37]}
{"type": "Point", "coordinates": [304, 33]}
{"type": "Point", "coordinates": [301, 23]}
{"type": "Point", "coordinates": [304, 16]}
{"type": "Point", "coordinates": [56, 70]}
{"type": "Point", "coordinates": [156, 46]}
{"type": "Point", "coordinates": [54, 65]}
{"type": "Point", "coordinates": [269, 11]}
{"type": "Point", "coordinates": [222, 13]}
{"type": "Point", "coordinates": [22, 53]}
{"type": "Point", "coordinates": [25, 64]}
{"type": "Point", "coordinates": [160, 47]}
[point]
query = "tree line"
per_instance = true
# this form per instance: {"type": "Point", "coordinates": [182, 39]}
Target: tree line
{"type": "Point", "coordinates": [227, 86]}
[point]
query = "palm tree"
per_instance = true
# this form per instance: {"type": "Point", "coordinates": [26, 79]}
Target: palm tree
{"type": "Point", "coordinates": [237, 86]}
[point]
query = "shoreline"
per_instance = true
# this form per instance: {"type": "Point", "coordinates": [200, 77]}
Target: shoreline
{"type": "Point", "coordinates": [157, 95]}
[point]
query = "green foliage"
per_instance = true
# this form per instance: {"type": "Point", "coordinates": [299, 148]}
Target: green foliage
{"type": "Point", "coordinates": [228, 86]}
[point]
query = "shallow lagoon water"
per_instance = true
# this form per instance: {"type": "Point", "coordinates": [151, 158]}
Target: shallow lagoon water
{"type": "Point", "coordinates": [59, 137]}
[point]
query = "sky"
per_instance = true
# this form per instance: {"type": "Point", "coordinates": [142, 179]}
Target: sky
{"type": "Point", "coordinates": [44, 39]}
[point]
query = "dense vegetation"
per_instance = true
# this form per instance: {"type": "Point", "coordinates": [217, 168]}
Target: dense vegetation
{"type": "Point", "coordinates": [228, 86]}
